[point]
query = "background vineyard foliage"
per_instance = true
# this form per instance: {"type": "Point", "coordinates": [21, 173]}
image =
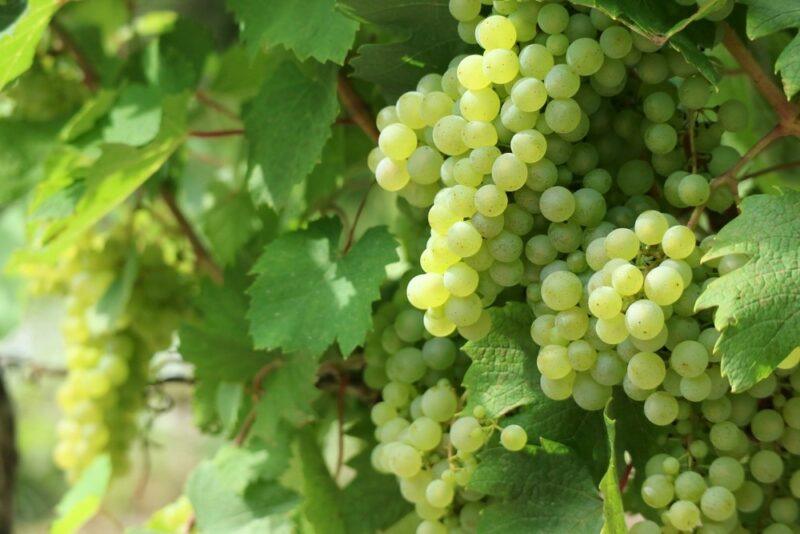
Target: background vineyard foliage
{"type": "Point", "coordinates": [192, 184]}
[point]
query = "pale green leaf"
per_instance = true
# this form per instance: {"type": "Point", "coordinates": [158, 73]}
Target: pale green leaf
{"type": "Point", "coordinates": [288, 123]}
{"type": "Point", "coordinates": [88, 116]}
{"type": "Point", "coordinates": [788, 65]}
{"type": "Point", "coordinates": [503, 373]}
{"type": "Point", "coordinates": [135, 118]}
{"type": "Point", "coordinates": [308, 294]}
{"type": "Point", "coordinates": [613, 511]}
{"type": "Point", "coordinates": [18, 41]}
{"type": "Point", "coordinates": [313, 28]}
{"type": "Point", "coordinates": [83, 500]}
{"type": "Point", "coordinates": [758, 305]}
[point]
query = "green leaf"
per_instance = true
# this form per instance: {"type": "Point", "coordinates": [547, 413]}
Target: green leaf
{"type": "Point", "coordinates": [24, 148]}
{"type": "Point", "coordinates": [83, 500]}
{"type": "Point", "coordinates": [788, 65]}
{"type": "Point", "coordinates": [18, 41]}
{"type": "Point", "coordinates": [288, 123]}
{"type": "Point", "coordinates": [217, 341]}
{"type": "Point", "coordinates": [613, 511]}
{"type": "Point", "coordinates": [288, 392]}
{"type": "Point", "coordinates": [659, 20]}
{"type": "Point", "coordinates": [221, 505]}
{"type": "Point", "coordinates": [539, 489]}
{"type": "Point", "coordinates": [307, 294]}
{"type": "Point", "coordinates": [313, 28]}
{"type": "Point", "coordinates": [174, 62]}
{"type": "Point", "coordinates": [110, 180]}
{"type": "Point", "coordinates": [503, 374]}
{"type": "Point", "coordinates": [758, 309]}
{"type": "Point", "coordinates": [370, 503]}
{"type": "Point", "coordinates": [90, 113]}
{"type": "Point", "coordinates": [112, 304]}
{"type": "Point", "coordinates": [328, 174]}
{"type": "Point", "coordinates": [430, 41]}
{"type": "Point", "coordinates": [765, 17]}
{"type": "Point", "coordinates": [136, 116]}
{"type": "Point", "coordinates": [230, 224]}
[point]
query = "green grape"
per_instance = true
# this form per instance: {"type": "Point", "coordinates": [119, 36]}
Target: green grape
{"type": "Point", "coordinates": [535, 61]}
{"type": "Point", "coordinates": [610, 77]}
{"type": "Point", "coordinates": [582, 355]}
{"type": "Point", "coordinates": [466, 434]}
{"type": "Point", "coordinates": [397, 141]}
{"type": "Point", "coordinates": [694, 92]}
{"type": "Point", "coordinates": [590, 207]}
{"type": "Point", "coordinates": [627, 280]}
{"type": "Point", "coordinates": [479, 105]}
{"type": "Point", "coordinates": [585, 56]}
{"type": "Point", "coordinates": [496, 32]}
{"type": "Point", "coordinates": [635, 177]}
{"type": "Point", "coordinates": [490, 200]}
{"type": "Point", "coordinates": [646, 370]}
{"type": "Point", "coordinates": [406, 365]}
{"type": "Point", "coordinates": [561, 290]}
{"type": "Point", "coordinates": [465, 10]}
{"type": "Point", "coordinates": [553, 362]}
{"type": "Point", "coordinates": [560, 389]}
{"type": "Point", "coordinates": [690, 486]}
{"type": "Point", "coordinates": [689, 358]}
{"type": "Point", "coordinates": [563, 115]}
{"type": "Point", "coordinates": [696, 388]}
{"type": "Point", "coordinates": [439, 403]}
{"type": "Point", "coordinates": [403, 460]}
{"type": "Point", "coordinates": [684, 515]}
{"type": "Point", "coordinates": [409, 110]}
{"type": "Point", "coordinates": [557, 204]}
{"type": "Point", "coordinates": [652, 68]}
{"type": "Point", "coordinates": [470, 73]}
{"type": "Point", "coordinates": [661, 408]}
{"type": "Point", "coordinates": [645, 527]}
{"type": "Point", "coordinates": [505, 247]}
{"type": "Point", "coordinates": [622, 243]}
{"type": "Point", "coordinates": [427, 291]}
{"type": "Point", "coordinates": [650, 227]}
{"type": "Point", "coordinates": [609, 369]}
{"type": "Point", "coordinates": [513, 437]}
{"type": "Point", "coordinates": [509, 172]}
{"type": "Point", "coordinates": [423, 165]}
{"type": "Point", "coordinates": [660, 138]}
{"type": "Point", "coordinates": [791, 412]}
{"type": "Point", "coordinates": [784, 510]}
{"type": "Point", "coordinates": [726, 472]}
{"type": "Point", "coordinates": [644, 319]}
{"type": "Point", "coordinates": [500, 65]}
{"type": "Point", "coordinates": [447, 135]}
{"type": "Point", "coordinates": [678, 242]}
{"type": "Point", "coordinates": [767, 426]}
{"type": "Point", "coordinates": [616, 42]}
{"type": "Point", "coordinates": [529, 146]}
{"type": "Point", "coordinates": [717, 410]}
{"type": "Point", "coordinates": [392, 175]}
{"type": "Point", "coordinates": [658, 491]}
{"type": "Point", "coordinates": [588, 394]}
{"type": "Point", "coordinates": [542, 175]}
{"type": "Point", "coordinates": [733, 115]}
{"type": "Point", "coordinates": [572, 324]}
{"type": "Point", "coordinates": [659, 107]}
{"type": "Point", "coordinates": [553, 18]}
{"type": "Point", "coordinates": [694, 190]}
{"type": "Point", "coordinates": [605, 303]}
{"type": "Point", "coordinates": [612, 331]}
{"type": "Point", "coordinates": [529, 94]}
{"type": "Point", "coordinates": [663, 285]}
{"type": "Point", "coordinates": [461, 280]}
{"type": "Point", "coordinates": [718, 503]}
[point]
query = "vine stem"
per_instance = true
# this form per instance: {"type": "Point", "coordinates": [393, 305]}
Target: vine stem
{"type": "Point", "coordinates": [787, 112]}
{"type": "Point", "coordinates": [250, 419]}
{"type": "Point", "coordinates": [773, 168]}
{"type": "Point", "coordinates": [356, 107]}
{"type": "Point", "coordinates": [203, 257]}
{"type": "Point", "coordinates": [216, 133]}
{"type": "Point", "coordinates": [351, 234]}
{"type": "Point", "coordinates": [90, 77]}
{"type": "Point", "coordinates": [729, 177]}
{"type": "Point", "coordinates": [205, 99]}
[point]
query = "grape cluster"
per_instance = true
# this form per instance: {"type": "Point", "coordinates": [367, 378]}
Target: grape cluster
{"type": "Point", "coordinates": [733, 462]}
{"type": "Point", "coordinates": [425, 436]}
{"type": "Point", "coordinates": [553, 165]}
{"type": "Point", "coordinates": [108, 359]}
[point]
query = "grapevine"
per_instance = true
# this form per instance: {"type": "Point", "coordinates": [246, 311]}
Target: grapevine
{"type": "Point", "coordinates": [379, 266]}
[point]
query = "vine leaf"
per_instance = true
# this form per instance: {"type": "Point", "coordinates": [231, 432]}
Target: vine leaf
{"type": "Point", "coordinates": [288, 123]}
{"type": "Point", "coordinates": [18, 41]}
{"type": "Point", "coordinates": [427, 48]}
{"type": "Point", "coordinates": [758, 305]}
{"type": "Point", "coordinates": [308, 295]}
{"type": "Point", "coordinates": [313, 28]}
{"type": "Point", "coordinates": [765, 17]}
{"type": "Point", "coordinates": [613, 511]}
{"type": "Point", "coordinates": [539, 489]}
{"type": "Point", "coordinates": [83, 500]}
{"type": "Point", "coordinates": [661, 21]}
{"type": "Point", "coordinates": [503, 373]}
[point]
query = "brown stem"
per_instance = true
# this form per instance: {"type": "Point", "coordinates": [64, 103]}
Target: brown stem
{"type": "Point", "coordinates": [768, 89]}
{"type": "Point", "coordinates": [90, 78]}
{"type": "Point", "coordinates": [774, 168]}
{"type": "Point", "coordinates": [729, 177]}
{"type": "Point", "coordinates": [203, 257]}
{"type": "Point", "coordinates": [8, 459]}
{"type": "Point", "coordinates": [216, 133]}
{"type": "Point", "coordinates": [340, 424]}
{"type": "Point", "coordinates": [220, 108]}
{"type": "Point", "coordinates": [256, 386]}
{"type": "Point", "coordinates": [350, 235]}
{"type": "Point", "coordinates": [32, 368]}
{"type": "Point", "coordinates": [626, 476]}
{"type": "Point", "coordinates": [356, 107]}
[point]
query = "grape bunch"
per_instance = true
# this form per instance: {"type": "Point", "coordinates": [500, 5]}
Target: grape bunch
{"type": "Point", "coordinates": [732, 462]}
{"type": "Point", "coordinates": [108, 357]}
{"type": "Point", "coordinates": [425, 435]}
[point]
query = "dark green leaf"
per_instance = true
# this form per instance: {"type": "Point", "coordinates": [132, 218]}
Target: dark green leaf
{"type": "Point", "coordinates": [308, 295]}
{"type": "Point", "coordinates": [765, 17]}
{"type": "Point", "coordinates": [430, 41]}
{"type": "Point", "coordinates": [539, 489]}
{"type": "Point", "coordinates": [175, 61]}
{"type": "Point", "coordinates": [288, 124]}
{"type": "Point", "coordinates": [788, 64]}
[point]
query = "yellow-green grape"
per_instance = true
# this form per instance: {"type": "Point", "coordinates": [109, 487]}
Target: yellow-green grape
{"type": "Point", "coordinates": [513, 437]}
{"type": "Point", "coordinates": [397, 141]}
{"type": "Point", "coordinates": [447, 135]}
{"type": "Point", "coordinates": [500, 65]}
{"type": "Point", "coordinates": [427, 291]}
{"type": "Point", "coordinates": [496, 31]}
{"type": "Point", "coordinates": [391, 174]}
{"type": "Point", "coordinates": [678, 242]}
{"type": "Point", "coordinates": [479, 105]}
